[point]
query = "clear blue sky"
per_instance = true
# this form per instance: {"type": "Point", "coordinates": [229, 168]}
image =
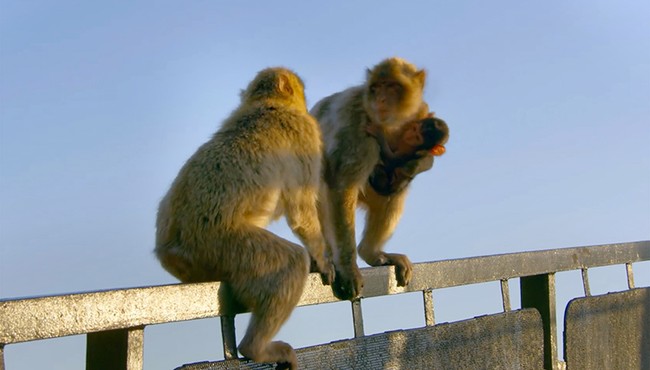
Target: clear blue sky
{"type": "Point", "coordinates": [102, 102]}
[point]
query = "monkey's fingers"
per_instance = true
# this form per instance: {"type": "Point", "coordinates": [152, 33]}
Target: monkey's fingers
{"type": "Point", "coordinates": [284, 366]}
{"type": "Point", "coordinates": [347, 285]}
{"type": "Point", "coordinates": [328, 275]}
{"type": "Point", "coordinates": [404, 274]}
{"type": "Point", "coordinates": [287, 354]}
{"type": "Point", "coordinates": [325, 268]}
{"type": "Point", "coordinates": [313, 265]}
{"type": "Point", "coordinates": [403, 268]}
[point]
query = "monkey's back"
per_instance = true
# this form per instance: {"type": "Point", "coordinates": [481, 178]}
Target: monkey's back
{"type": "Point", "coordinates": [260, 153]}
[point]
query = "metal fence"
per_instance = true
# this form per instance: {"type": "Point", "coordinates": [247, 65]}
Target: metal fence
{"type": "Point", "coordinates": [114, 320]}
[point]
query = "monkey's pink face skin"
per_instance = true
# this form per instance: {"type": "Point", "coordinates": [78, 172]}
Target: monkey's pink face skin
{"type": "Point", "coordinates": [412, 136]}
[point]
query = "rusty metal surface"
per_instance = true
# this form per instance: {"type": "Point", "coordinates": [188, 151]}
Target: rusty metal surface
{"type": "Point", "coordinates": [511, 340]}
{"type": "Point", "coordinates": [610, 331]}
{"type": "Point", "coordinates": [48, 317]}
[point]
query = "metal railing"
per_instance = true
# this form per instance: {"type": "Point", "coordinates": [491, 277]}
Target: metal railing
{"type": "Point", "coordinates": [114, 320]}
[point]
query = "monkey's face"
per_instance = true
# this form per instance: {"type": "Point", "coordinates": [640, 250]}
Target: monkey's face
{"type": "Point", "coordinates": [412, 134]}
{"type": "Point", "coordinates": [384, 97]}
{"type": "Point", "coordinates": [393, 92]}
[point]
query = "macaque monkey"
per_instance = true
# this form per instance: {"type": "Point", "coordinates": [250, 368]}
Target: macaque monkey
{"type": "Point", "coordinates": [390, 97]}
{"type": "Point", "coordinates": [417, 140]}
{"type": "Point", "coordinates": [263, 162]}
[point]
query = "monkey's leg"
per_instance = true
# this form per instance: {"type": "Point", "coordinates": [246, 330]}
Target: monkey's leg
{"type": "Point", "coordinates": [268, 275]}
{"type": "Point", "coordinates": [347, 281]}
{"type": "Point", "coordinates": [183, 268]}
{"type": "Point", "coordinates": [382, 218]}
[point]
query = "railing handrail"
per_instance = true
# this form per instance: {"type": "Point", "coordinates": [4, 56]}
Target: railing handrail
{"type": "Point", "coordinates": [37, 318]}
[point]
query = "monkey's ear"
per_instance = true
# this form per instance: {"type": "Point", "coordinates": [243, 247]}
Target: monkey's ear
{"type": "Point", "coordinates": [421, 76]}
{"type": "Point", "coordinates": [284, 84]}
{"type": "Point", "coordinates": [368, 74]}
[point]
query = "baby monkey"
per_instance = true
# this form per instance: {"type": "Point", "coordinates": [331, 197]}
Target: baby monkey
{"type": "Point", "coordinates": [398, 166]}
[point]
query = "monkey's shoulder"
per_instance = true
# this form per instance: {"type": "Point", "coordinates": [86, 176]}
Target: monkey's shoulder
{"type": "Point", "coordinates": [336, 107]}
{"type": "Point", "coordinates": [258, 131]}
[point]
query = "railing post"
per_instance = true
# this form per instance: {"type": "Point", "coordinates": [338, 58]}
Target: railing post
{"type": "Point", "coordinates": [120, 349]}
{"type": "Point", "coordinates": [538, 292]}
{"type": "Point", "coordinates": [630, 275]}
{"type": "Point", "coordinates": [2, 357]}
{"type": "Point", "coordinates": [357, 318]}
{"type": "Point", "coordinates": [505, 295]}
{"type": "Point", "coordinates": [585, 282]}
{"type": "Point", "coordinates": [228, 337]}
{"type": "Point", "coordinates": [429, 317]}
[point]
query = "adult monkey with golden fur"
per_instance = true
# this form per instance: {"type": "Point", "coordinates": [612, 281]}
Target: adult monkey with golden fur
{"type": "Point", "coordinates": [264, 161]}
{"type": "Point", "coordinates": [390, 97]}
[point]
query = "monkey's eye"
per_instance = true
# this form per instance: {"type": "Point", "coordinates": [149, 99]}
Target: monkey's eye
{"type": "Point", "coordinates": [394, 87]}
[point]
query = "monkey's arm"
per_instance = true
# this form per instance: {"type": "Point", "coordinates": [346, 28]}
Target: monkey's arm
{"type": "Point", "coordinates": [388, 181]}
{"type": "Point", "coordinates": [302, 217]}
{"type": "Point", "coordinates": [386, 153]}
{"type": "Point", "coordinates": [347, 281]}
{"type": "Point", "coordinates": [347, 169]}
{"type": "Point", "coordinates": [404, 174]}
{"type": "Point", "coordinates": [411, 168]}
{"type": "Point", "coordinates": [383, 215]}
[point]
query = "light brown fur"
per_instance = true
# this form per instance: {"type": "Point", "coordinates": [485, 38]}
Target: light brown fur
{"type": "Point", "coordinates": [390, 97]}
{"type": "Point", "coordinates": [263, 162]}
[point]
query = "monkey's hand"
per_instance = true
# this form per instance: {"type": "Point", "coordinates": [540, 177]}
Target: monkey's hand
{"type": "Point", "coordinates": [403, 266]}
{"type": "Point", "coordinates": [417, 165]}
{"type": "Point", "coordinates": [374, 130]}
{"type": "Point", "coordinates": [348, 283]}
{"type": "Point", "coordinates": [326, 269]}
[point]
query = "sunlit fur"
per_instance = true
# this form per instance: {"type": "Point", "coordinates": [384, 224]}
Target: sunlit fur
{"type": "Point", "coordinates": [350, 156]}
{"type": "Point", "coordinates": [263, 162]}
{"type": "Point", "coordinates": [404, 74]}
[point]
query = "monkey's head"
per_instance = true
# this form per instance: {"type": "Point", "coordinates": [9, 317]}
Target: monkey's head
{"type": "Point", "coordinates": [435, 134]}
{"type": "Point", "coordinates": [276, 85]}
{"type": "Point", "coordinates": [393, 91]}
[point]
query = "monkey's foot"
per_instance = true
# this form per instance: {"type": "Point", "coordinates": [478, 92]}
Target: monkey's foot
{"type": "Point", "coordinates": [283, 366]}
{"type": "Point", "coordinates": [278, 351]}
{"type": "Point", "coordinates": [403, 266]}
{"type": "Point", "coordinates": [348, 283]}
